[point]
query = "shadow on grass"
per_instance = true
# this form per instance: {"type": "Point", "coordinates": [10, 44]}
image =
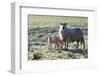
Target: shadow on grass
{"type": "Point", "coordinates": [80, 51]}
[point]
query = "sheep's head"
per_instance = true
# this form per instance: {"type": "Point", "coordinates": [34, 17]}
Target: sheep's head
{"type": "Point", "coordinates": [61, 30]}
{"type": "Point", "coordinates": [63, 25]}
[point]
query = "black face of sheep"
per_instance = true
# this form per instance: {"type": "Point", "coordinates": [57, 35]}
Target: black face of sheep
{"type": "Point", "coordinates": [71, 35]}
{"type": "Point", "coordinates": [64, 25]}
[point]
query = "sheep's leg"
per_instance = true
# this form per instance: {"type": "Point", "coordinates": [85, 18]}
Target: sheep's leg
{"type": "Point", "coordinates": [77, 44]}
{"type": "Point", "coordinates": [81, 45]}
{"type": "Point", "coordinates": [66, 48]}
{"type": "Point", "coordinates": [67, 45]}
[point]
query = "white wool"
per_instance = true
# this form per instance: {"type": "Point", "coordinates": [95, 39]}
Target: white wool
{"type": "Point", "coordinates": [60, 32]}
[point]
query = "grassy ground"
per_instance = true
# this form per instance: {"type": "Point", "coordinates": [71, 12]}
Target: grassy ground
{"type": "Point", "coordinates": [38, 29]}
{"type": "Point", "coordinates": [53, 21]}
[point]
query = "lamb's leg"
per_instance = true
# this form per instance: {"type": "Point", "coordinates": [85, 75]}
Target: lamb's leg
{"type": "Point", "coordinates": [62, 43]}
{"type": "Point", "coordinates": [61, 46]}
{"type": "Point", "coordinates": [58, 46]}
{"type": "Point", "coordinates": [49, 46]}
{"type": "Point", "coordinates": [55, 46]}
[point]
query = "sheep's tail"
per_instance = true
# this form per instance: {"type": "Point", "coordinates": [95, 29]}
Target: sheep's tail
{"type": "Point", "coordinates": [83, 42]}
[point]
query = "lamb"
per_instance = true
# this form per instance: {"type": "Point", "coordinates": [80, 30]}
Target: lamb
{"type": "Point", "coordinates": [54, 40]}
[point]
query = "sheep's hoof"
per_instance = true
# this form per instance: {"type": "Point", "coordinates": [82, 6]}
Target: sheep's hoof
{"type": "Point", "coordinates": [66, 49]}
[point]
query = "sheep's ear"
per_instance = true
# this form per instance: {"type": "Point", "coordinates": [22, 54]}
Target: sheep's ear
{"type": "Point", "coordinates": [61, 23]}
{"type": "Point", "coordinates": [66, 23]}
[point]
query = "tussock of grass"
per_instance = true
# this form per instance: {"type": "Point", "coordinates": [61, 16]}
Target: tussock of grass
{"type": "Point", "coordinates": [53, 54]}
{"type": "Point", "coordinates": [37, 56]}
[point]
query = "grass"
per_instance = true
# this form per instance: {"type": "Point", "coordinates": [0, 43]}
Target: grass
{"type": "Point", "coordinates": [38, 29]}
{"type": "Point", "coordinates": [53, 54]}
{"type": "Point", "coordinates": [45, 21]}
